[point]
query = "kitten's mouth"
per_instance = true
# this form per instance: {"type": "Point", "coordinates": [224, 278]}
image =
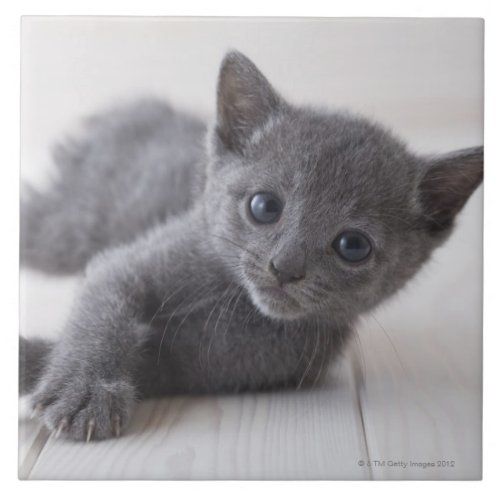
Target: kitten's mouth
{"type": "Point", "coordinates": [276, 302]}
{"type": "Point", "coordinates": [275, 292]}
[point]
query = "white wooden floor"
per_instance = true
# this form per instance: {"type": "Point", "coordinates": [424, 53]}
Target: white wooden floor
{"type": "Point", "coordinates": [408, 391]}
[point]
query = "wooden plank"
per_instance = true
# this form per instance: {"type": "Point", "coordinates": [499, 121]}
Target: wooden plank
{"type": "Point", "coordinates": [309, 434]}
{"type": "Point", "coordinates": [422, 361]}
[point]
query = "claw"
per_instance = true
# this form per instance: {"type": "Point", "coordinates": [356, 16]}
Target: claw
{"type": "Point", "coordinates": [90, 429]}
{"type": "Point", "coordinates": [61, 427]}
{"type": "Point", "coordinates": [116, 425]}
{"type": "Point", "coordinates": [37, 410]}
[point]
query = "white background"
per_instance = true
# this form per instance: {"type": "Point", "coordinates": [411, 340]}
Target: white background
{"type": "Point", "coordinates": [422, 78]}
{"type": "Point", "coordinates": [480, 8]}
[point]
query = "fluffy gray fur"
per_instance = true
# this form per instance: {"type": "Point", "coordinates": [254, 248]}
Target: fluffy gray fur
{"type": "Point", "coordinates": [176, 270]}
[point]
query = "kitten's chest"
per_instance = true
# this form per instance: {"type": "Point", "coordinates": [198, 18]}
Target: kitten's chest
{"type": "Point", "coordinates": [233, 347]}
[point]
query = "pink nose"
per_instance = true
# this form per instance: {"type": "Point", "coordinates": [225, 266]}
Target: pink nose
{"type": "Point", "coordinates": [286, 275]}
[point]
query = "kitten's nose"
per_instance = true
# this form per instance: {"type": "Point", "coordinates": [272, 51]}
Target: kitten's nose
{"type": "Point", "coordinates": [287, 272]}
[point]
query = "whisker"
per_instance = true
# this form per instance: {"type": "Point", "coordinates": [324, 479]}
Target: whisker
{"type": "Point", "coordinates": [205, 326]}
{"type": "Point", "coordinates": [168, 324]}
{"type": "Point", "coordinates": [312, 358]}
{"type": "Point", "coordinates": [392, 344]}
{"type": "Point", "coordinates": [323, 358]}
{"type": "Point", "coordinates": [228, 240]}
{"type": "Point", "coordinates": [223, 310]}
{"type": "Point", "coordinates": [190, 310]}
{"type": "Point", "coordinates": [232, 312]}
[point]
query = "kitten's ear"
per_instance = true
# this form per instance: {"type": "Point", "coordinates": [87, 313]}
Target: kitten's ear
{"type": "Point", "coordinates": [245, 100]}
{"type": "Point", "coordinates": [447, 185]}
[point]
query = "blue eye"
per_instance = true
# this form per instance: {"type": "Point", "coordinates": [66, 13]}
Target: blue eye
{"type": "Point", "coordinates": [265, 208]}
{"type": "Point", "coordinates": [352, 246]}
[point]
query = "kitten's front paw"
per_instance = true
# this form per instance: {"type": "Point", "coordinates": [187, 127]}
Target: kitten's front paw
{"type": "Point", "coordinates": [82, 408]}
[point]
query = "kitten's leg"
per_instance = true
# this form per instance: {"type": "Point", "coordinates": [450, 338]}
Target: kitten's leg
{"type": "Point", "coordinates": [33, 356]}
{"type": "Point", "coordinates": [89, 385]}
{"type": "Point", "coordinates": [87, 388]}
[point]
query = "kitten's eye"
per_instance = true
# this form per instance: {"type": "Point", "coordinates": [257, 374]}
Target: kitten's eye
{"type": "Point", "coordinates": [352, 246]}
{"type": "Point", "coordinates": [265, 208]}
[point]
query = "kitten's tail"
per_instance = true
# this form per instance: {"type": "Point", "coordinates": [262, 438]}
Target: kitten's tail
{"type": "Point", "coordinates": [33, 354]}
{"type": "Point", "coordinates": [131, 168]}
{"type": "Point", "coordinates": [50, 233]}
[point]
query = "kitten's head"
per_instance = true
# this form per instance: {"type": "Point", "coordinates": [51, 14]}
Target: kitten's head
{"type": "Point", "coordinates": [320, 213]}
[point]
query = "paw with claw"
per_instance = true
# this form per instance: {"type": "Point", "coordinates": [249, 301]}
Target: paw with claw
{"type": "Point", "coordinates": [83, 408]}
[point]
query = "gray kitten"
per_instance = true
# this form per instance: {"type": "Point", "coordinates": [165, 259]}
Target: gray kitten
{"type": "Point", "coordinates": [236, 266]}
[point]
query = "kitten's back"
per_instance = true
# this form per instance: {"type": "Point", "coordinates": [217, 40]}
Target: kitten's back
{"type": "Point", "coordinates": [135, 166]}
